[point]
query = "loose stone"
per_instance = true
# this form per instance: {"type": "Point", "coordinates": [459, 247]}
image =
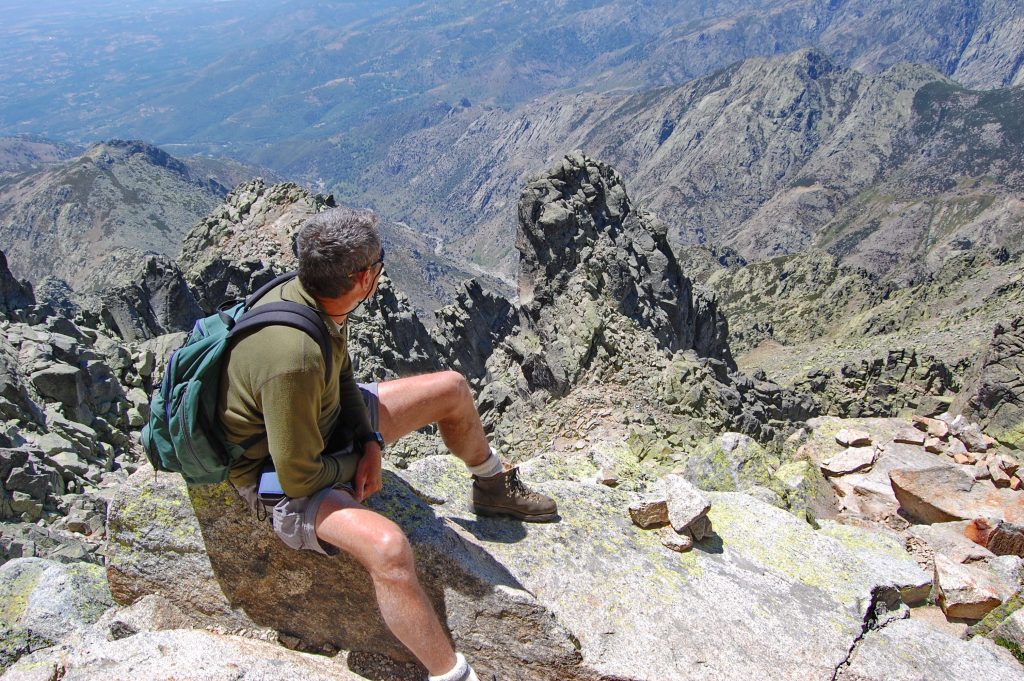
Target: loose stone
{"type": "Point", "coordinates": [849, 437]}
{"type": "Point", "coordinates": [648, 513]}
{"type": "Point", "coordinates": [910, 436]}
{"type": "Point", "coordinates": [675, 541]}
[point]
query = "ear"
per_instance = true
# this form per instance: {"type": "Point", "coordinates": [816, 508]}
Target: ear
{"type": "Point", "coordinates": [363, 277]}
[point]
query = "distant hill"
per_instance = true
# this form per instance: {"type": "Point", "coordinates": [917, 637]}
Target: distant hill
{"type": "Point", "coordinates": [320, 90]}
{"type": "Point", "coordinates": [88, 220]}
{"type": "Point", "coordinates": [225, 171]}
{"type": "Point", "coordinates": [27, 152]}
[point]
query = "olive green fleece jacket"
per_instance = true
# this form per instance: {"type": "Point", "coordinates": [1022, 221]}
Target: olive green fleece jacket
{"type": "Point", "coordinates": [274, 382]}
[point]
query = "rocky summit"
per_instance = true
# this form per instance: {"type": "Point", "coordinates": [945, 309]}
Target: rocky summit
{"type": "Point", "coordinates": [864, 522]}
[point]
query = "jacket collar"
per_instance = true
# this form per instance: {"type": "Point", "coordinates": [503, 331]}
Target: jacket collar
{"type": "Point", "coordinates": [294, 291]}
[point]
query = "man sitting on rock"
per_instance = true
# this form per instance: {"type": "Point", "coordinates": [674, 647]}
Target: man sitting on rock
{"type": "Point", "coordinates": [325, 434]}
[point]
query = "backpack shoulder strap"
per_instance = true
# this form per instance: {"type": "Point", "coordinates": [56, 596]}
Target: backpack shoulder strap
{"type": "Point", "coordinates": [287, 313]}
{"type": "Point", "coordinates": [251, 299]}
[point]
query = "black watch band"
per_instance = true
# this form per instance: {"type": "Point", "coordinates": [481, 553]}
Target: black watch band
{"type": "Point", "coordinates": [375, 436]}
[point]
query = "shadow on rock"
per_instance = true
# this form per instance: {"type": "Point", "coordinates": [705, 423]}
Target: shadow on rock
{"type": "Point", "coordinates": [504, 530]}
{"type": "Point", "coordinates": [712, 544]}
{"type": "Point", "coordinates": [324, 603]}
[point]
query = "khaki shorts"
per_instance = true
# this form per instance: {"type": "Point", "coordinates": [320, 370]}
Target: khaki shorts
{"type": "Point", "coordinates": [294, 519]}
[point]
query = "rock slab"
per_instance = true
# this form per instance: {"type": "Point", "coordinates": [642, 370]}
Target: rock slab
{"type": "Point", "coordinates": [764, 596]}
{"type": "Point", "coordinates": [946, 493]}
{"type": "Point", "coordinates": [206, 552]}
{"type": "Point", "coordinates": [178, 654]}
{"type": "Point", "coordinates": [883, 655]}
{"type": "Point", "coordinates": [964, 591]}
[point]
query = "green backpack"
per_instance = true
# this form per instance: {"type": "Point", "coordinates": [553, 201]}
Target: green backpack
{"type": "Point", "coordinates": [183, 434]}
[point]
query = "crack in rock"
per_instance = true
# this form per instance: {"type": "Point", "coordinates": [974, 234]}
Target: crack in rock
{"type": "Point", "coordinates": [886, 607]}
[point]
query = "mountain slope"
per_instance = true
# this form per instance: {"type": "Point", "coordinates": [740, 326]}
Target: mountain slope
{"type": "Point", "coordinates": [320, 89]}
{"type": "Point", "coordinates": [770, 156]}
{"type": "Point", "coordinates": [88, 220]}
{"type": "Point", "coordinates": [25, 153]}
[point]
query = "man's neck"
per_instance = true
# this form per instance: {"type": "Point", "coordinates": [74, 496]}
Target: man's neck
{"type": "Point", "coordinates": [341, 307]}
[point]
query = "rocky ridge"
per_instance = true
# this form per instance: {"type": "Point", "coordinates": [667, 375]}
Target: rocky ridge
{"type": "Point", "coordinates": [991, 393]}
{"type": "Point", "coordinates": [229, 249]}
{"type": "Point", "coordinates": [89, 219]}
{"type": "Point", "coordinates": [939, 326]}
{"type": "Point", "coordinates": [645, 394]}
{"type": "Point", "coordinates": [828, 157]}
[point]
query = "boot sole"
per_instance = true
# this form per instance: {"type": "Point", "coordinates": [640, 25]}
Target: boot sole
{"type": "Point", "coordinates": [496, 512]}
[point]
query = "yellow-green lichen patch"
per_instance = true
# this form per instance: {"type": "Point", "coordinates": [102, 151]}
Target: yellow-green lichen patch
{"type": "Point", "coordinates": [576, 465]}
{"type": "Point", "coordinates": [219, 496]}
{"type": "Point", "coordinates": [151, 508]}
{"type": "Point", "coordinates": [857, 539]}
{"type": "Point", "coordinates": [1012, 646]}
{"type": "Point", "coordinates": [783, 545]}
{"type": "Point", "coordinates": [17, 582]}
{"type": "Point", "coordinates": [1000, 614]}
{"type": "Point", "coordinates": [1011, 436]}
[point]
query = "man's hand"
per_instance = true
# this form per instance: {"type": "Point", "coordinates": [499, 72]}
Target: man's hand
{"type": "Point", "coordinates": [368, 480]}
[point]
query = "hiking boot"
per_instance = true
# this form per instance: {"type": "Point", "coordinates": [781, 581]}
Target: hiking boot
{"type": "Point", "coordinates": [506, 494]}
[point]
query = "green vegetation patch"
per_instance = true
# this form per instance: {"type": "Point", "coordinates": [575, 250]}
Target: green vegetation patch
{"type": "Point", "coordinates": [998, 615]}
{"type": "Point", "coordinates": [1012, 646]}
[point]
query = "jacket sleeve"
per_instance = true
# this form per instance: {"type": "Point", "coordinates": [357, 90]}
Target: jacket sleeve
{"type": "Point", "coordinates": [291, 405]}
{"type": "Point", "coordinates": [352, 415]}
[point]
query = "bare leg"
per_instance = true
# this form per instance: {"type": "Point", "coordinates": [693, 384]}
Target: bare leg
{"type": "Point", "coordinates": [408, 404]}
{"type": "Point", "coordinates": [380, 546]}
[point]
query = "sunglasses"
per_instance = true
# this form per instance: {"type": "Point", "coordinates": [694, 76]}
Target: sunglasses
{"type": "Point", "coordinates": [378, 261]}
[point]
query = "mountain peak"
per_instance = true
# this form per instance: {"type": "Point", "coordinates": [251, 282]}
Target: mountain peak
{"type": "Point", "coordinates": [113, 151]}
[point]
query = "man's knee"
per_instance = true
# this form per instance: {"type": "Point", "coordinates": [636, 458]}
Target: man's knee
{"type": "Point", "coordinates": [456, 388]}
{"type": "Point", "coordinates": [391, 556]}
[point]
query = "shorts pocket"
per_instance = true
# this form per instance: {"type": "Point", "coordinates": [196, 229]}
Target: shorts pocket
{"type": "Point", "coordinates": [288, 525]}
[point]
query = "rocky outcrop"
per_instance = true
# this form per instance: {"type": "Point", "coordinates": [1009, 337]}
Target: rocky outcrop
{"type": "Point", "coordinates": [993, 393]}
{"type": "Point", "coordinates": [67, 403]}
{"type": "Point", "coordinates": [246, 240]}
{"type": "Point", "coordinates": [249, 239]}
{"type": "Point", "coordinates": [57, 297]}
{"type": "Point", "coordinates": [157, 302]}
{"type": "Point", "coordinates": [225, 567]}
{"type": "Point", "coordinates": [469, 330]}
{"type": "Point", "coordinates": [602, 298]}
{"type": "Point", "coordinates": [881, 387]}
{"type": "Point", "coordinates": [586, 251]}
{"type": "Point", "coordinates": [388, 340]}
{"type": "Point", "coordinates": [15, 296]}
{"type": "Point", "coordinates": [751, 404]}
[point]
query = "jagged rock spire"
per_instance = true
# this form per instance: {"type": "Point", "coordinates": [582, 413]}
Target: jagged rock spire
{"type": "Point", "coordinates": [586, 251]}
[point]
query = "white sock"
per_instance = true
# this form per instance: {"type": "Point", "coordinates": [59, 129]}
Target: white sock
{"type": "Point", "coordinates": [460, 672]}
{"type": "Point", "coordinates": [490, 467]}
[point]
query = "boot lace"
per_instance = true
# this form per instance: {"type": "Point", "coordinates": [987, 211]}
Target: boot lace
{"type": "Point", "coordinates": [517, 488]}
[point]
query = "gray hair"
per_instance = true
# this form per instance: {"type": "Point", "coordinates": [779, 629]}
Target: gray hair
{"type": "Point", "coordinates": [333, 245]}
